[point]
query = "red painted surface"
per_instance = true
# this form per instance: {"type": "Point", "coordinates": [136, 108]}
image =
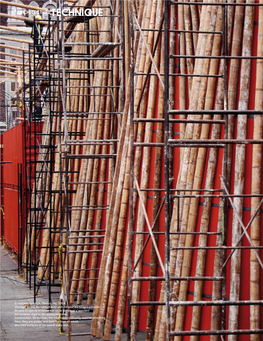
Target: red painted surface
{"type": "Point", "coordinates": [13, 142]}
{"type": "Point", "coordinates": [1, 189]}
{"type": "Point", "coordinates": [14, 151]}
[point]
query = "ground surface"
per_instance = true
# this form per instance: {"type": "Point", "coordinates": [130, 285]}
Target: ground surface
{"type": "Point", "coordinates": [21, 319]}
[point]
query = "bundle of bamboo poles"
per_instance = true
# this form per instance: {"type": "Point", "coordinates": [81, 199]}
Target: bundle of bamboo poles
{"type": "Point", "coordinates": [202, 93]}
{"type": "Point", "coordinates": [85, 244]}
{"type": "Point", "coordinates": [203, 89]}
{"type": "Point", "coordinates": [150, 15]}
{"type": "Point", "coordinates": [87, 176]}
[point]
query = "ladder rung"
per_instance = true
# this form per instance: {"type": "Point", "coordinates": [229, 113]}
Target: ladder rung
{"type": "Point", "coordinates": [93, 156]}
{"type": "Point", "coordinates": [85, 251]}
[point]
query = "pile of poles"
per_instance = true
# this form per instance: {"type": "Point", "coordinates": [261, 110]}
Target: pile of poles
{"type": "Point", "coordinates": [199, 167]}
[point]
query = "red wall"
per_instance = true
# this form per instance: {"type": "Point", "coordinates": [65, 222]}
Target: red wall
{"type": "Point", "coordinates": [13, 143]}
{"type": "Point", "coordinates": [1, 189]}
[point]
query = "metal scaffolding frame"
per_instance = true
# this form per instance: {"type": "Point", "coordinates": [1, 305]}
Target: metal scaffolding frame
{"type": "Point", "coordinates": [173, 196]}
{"type": "Point", "coordinates": [88, 152]}
{"type": "Point", "coordinates": [40, 88]}
{"type": "Point", "coordinates": [63, 160]}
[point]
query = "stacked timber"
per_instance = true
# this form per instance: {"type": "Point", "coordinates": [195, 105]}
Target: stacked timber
{"type": "Point", "coordinates": [89, 104]}
{"type": "Point", "coordinates": [199, 169]}
{"type": "Point", "coordinates": [196, 220]}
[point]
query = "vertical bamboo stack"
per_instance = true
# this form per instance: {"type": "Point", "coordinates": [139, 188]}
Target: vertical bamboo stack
{"type": "Point", "coordinates": [256, 185]}
{"type": "Point", "coordinates": [202, 93]}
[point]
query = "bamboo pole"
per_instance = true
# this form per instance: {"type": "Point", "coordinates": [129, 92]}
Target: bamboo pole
{"type": "Point", "coordinates": [46, 201]}
{"type": "Point", "coordinates": [126, 40]}
{"type": "Point", "coordinates": [210, 177]}
{"type": "Point", "coordinates": [157, 179]}
{"type": "Point", "coordinates": [197, 162]}
{"type": "Point", "coordinates": [122, 152]}
{"type": "Point", "coordinates": [115, 203]}
{"type": "Point", "coordinates": [182, 80]}
{"type": "Point", "coordinates": [85, 168]}
{"type": "Point", "coordinates": [207, 21]}
{"type": "Point", "coordinates": [44, 256]}
{"type": "Point", "coordinates": [80, 126]}
{"type": "Point", "coordinates": [13, 47]}
{"type": "Point", "coordinates": [109, 104]}
{"type": "Point", "coordinates": [176, 257]}
{"type": "Point", "coordinates": [141, 21]}
{"type": "Point", "coordinates": [13, 4]}
{"type": "Point", "coordinates": [172, 105]}
{"type": "Point", "coordinates": [20, 17]}
{"type": "Point", "coordinates": [240, 166]}
{"type": "Point", "coordinates": [140, 58]}
{"type": "Point", "coordinates": [10, 67]}
{"type": "Point", "coordinates": [13, 55]}
{"type": "Point", "coordinates": [256, 186]}
{"type": "Point", "coordinates": [118, 252]}
{"type": "Point", "coordinates": [51, 222]}
{"type": "Point", "coordinates": [219, 254]}
{"type": "Point", "coordinates": [22, 41]}
{"type": "Point", "coordinates": [8, 62]}
{"type": "Point", "coordinates": [9, 73]}
{"type": "Point", "coordinates": [123, 293]}
{"type": "Point", "coordinates": [189, 44]}
{"type": "Point", "coordinates": [92, 135]}
{"type": "Point", "coordinates": [195, 24]}
{"type": "Point", "coordinates": [14, 29]}
{"type": "Point", "coordinates": [233, 79]}
{"type": "Point", "coordinates": [196, 101]}
{"type": "Point", "coordinates": [81, 260]}
{"type": "Point", "coordinates": [6, 79]}
{"type": "Point", "coordinates": [156, 17]}
{"type": "Point", "coordinates": [111, 241]}
{"type": "Point", "coordinates": [99, 214]}
{"type": "Point", "coordinates": [122, 296]}
{"type": "Point", "coordinates": [83, 223]}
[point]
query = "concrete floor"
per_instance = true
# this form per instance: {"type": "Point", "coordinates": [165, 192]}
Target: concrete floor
{"type": "Point", "coordinates": [21, 319]}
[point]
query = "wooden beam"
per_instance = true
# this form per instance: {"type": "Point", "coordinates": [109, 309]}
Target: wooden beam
{"type": "Point", "coordinates": [15, 29]}
{"type": "Point", "coordinates": [20, 17]}
{"type": "Point", "coordinates": [18, 67]}
{"type": "Point", "coordinates": [13, 47]}
{"type": "Point", "coordinates": [17, 40]}
{"type": "Point", "coordinates": [12, 55]}
{"type": "Point", "coordinates": [8, 62]}
{"type": "Point", "coordinates": [9, 73]}
{"type": "Point", "coordinates": [8, 3]}
{"type": "Point", "coordinates": [3, 67]}
{"type": "Point", "coordinates": [6, 79]}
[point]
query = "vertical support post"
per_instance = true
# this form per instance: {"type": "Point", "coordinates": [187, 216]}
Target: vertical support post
{"type": "Point", "coordinates": [223, 206]}
{"type": "Point", "coordinates": [25, 125]}
{"type": "Point", "coordinates": [22, 216]}
{"type": "Point", "coordinates": [166, 166]}
{"type": "Point", "coordinates": [35, 75]}
{"type": "Point", "coordinates": [131, 218]}
{"type": "Point", "coordinates": [18, 220]}
{"type": "Point", "coordinates": [113, 118]}
{"type": "Point", "coordinates": [61, 48]}
{"type": "Point", "coordinates": [123, 83]}
{"type": "Point", "coordinates": [30, 167]}
{"type": "Point", "coordinates": [52, 202]}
